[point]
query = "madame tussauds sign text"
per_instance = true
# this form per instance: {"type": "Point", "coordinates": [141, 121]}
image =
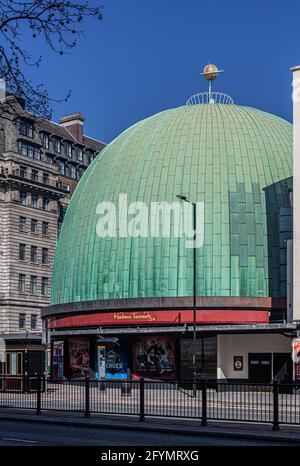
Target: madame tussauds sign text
{"type": "Point", "coordinates": [153, 317]}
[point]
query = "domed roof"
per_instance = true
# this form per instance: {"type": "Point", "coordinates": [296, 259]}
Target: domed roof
{"type": "Point", "coordinates": [237, 160]}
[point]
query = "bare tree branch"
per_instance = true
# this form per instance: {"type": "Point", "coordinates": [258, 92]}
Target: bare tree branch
{"type": "Point", "coordinates": [58, 23]}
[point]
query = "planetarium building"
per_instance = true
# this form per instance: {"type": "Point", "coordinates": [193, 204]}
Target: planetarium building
{"type": "Point", "coordinates": [122, 295]}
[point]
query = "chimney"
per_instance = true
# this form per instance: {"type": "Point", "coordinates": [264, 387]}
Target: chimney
{"type": "Point", "coordinates": [296, 194]}
{"type": "Point", "coordinates": [74, 124]}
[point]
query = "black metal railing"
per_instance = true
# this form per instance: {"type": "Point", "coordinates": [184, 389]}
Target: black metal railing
{"type": "Point", "coordinates": [273, 403]}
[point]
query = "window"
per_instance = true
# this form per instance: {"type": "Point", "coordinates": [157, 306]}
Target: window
{"type": "Point", "coordinates": [50, 159]}
{"type": "Point", "coordinates": [30, 151]}
{"type": "Point", "coordinates": [34, 200]}
{"type": "Point", "coordinates": [88, 156]}
{"type": "Point", "coordinates": [57, 145]}
{"type": "Point", "coordinates": [22, 252]}
{"type": "Point", "coordinates": [45, 228]}
{"type": "Point", "coordinates": [62, 212]}
{"type": "Point", "coordinates": [44, 286]}
{"type": "Point", "coordinates": [79, 153]}
{"type": "Point", "coordinates": [14, 360]}
{"type": "Point", "coordinates": [45, 203]}
{"type": "Point", "coordinates": [23, 172]}
{"type": "Point", "coordinates": [61, 167]}
{"type": "Point", "coordinates": [34, 175]}
{"type": "Point", "coordinates": [33, 321]}
{"type": "Point", "coordinates": [92, 156]}
{"type": "Point", "coordinates": [72, 171]}
{"type": "Point", "coordinates": [45, 256]}
{"type": "Point", "coordinates": [21, 283]}
{"type": "Point", "coordinates": [22, 198]}
{"type": "Point", "coordinates": [45, 140]}
{"type": "Point", "coordinates": [45, 178]}
{"type": "Point", "coordinates": [22, 320]}
{"type": "Point", "coordinates": [22, 223]}
{"type": "Point", "coordinates": [66, 187]}
{"type": "Point", "coordinates": [26, 129]}
{"type": "Point", "coordinates": [34, 226]}
{"type": "Point", "coordinates": [33, 254]}
{"type": "Point", "coordinates": [69, 149]}
{"type": "Point", "coordinates": [33, 280]}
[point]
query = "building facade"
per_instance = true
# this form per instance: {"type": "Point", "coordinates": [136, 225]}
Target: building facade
{"type": "Point", "coordinates": [295, 264]}
{"type": "Point", "coordinates": [125, 297]}
{"type": "Point", "coordinates": [40, 165]}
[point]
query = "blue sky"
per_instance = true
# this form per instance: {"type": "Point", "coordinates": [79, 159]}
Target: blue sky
{"type": "Point", "coordinates": [145, 55]}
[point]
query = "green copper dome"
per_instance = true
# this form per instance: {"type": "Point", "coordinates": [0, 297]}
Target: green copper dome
{"type": "Point", "coordinates": [237, 160]}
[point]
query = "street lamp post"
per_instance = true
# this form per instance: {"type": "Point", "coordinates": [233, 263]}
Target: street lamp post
{"type": "Point", "coordinates": [194, 362]}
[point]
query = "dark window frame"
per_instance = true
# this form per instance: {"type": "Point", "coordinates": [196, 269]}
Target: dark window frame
{"type": "Point", "coordinates": [80, 154]}
{"type": "Point", "coordinates": [22, 283]}
{"type": "Point", "coordinates": [45, 286]}
{"type": "Point", "coordinates": [22, 223]}
{"type": "Point", "coordinates": [45, 140]}
{"type": "Point", "coordinates": [73, 172]}
{"type": "Point", "coordinates": [34, 226]}
{"type": "Point", "coordinates": [33, 254]}
{"type": "Point", "coordinates": [57, 145]}
{"type": "Point", "coordinates": [33, 321]}
{"type": "Point", "coordinates": [45, 204]}
{"type": "Point", "coordinates": [22, 197]}
{"type": "Point", "coordinates": [34, 204]}
{"type": "Point", "coordinates": [33, 284]}
{"type": "Point", "coordinates": [22, 320]}
{"type": "Point", "coordinates": [69, 149]}
{"type": "Point", "coordinates": [45, 256]}
{"type": "Point", "coordinates": [22, 252]}
{"type": "Point", "coordinates": [45, 228]}
{"type": "Point", "coordinates": [26, 129]}
{"type": "Point", "coordinates": [28, 150]}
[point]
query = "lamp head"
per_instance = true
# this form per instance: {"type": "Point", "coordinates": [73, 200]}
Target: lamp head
{"type": "Point", "coordinates": [182, 197]}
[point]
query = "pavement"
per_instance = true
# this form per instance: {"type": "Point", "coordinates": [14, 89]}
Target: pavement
{"type": "Point", "coordinates": [226, 430]}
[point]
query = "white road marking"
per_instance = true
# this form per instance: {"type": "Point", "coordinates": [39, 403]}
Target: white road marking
{"type": "Point", "coordinates": [11, 439]}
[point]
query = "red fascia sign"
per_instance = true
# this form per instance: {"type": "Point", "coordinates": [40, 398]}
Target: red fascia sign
{"type": "Point", "coordinates": [153, 317]}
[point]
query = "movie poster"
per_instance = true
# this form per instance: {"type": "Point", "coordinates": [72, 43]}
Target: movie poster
{"type": "Point", "coordinates": [154, 357]}
{"type": "Point", "coordinates": [116, 363]}
{"type": "Point", "coordinates": [58, 359]}
{"type": "Point", "coordinates": [79, 357]}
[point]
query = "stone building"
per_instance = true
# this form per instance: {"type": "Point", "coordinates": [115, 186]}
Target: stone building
{"type": "Point", "coordinates": [40, 165]}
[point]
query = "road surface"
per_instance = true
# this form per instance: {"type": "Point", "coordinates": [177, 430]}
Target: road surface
{"type": "Point", "coordinates": [17, 433]}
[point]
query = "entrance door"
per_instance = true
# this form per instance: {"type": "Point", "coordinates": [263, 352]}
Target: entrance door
{"type": "Point", "coordinates": [282, 367]}
{"type": "Point", "coordinates": [206, 358]}
{"type": "Point", "coordinates": [260, 367]}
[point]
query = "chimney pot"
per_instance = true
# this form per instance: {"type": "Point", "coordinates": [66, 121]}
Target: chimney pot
{"type": "Point", "coordinates": [74, 124]}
